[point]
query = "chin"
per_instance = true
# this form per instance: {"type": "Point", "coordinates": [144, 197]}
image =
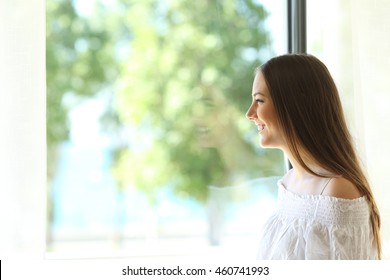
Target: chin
{"type": "Point", "coordinates": [264, 146]}
{"type": "Point", "coordinates": [267, 145]}
{"type": "Point", "coordinates": [263, 143]}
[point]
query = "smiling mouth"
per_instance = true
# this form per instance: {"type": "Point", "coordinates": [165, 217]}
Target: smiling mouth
{"type": "Point", "coordinates": [260, 127]}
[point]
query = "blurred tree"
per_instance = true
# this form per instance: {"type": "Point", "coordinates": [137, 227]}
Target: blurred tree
{"type": "Point", "coordinates": [82, 62]}
{"type": "Point", "coordinates": [180, 76]}
{"type": "Point", "coordinates": [185, 88]}
{"type": "Point", "coordinates": [79, 62]}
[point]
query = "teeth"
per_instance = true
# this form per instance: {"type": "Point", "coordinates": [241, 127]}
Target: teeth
{"type": "Point", "coordinates": [260, 127]}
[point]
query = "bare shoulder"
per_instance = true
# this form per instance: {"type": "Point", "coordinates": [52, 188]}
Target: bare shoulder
{"type": "Point", "coordinates": [341, 188]}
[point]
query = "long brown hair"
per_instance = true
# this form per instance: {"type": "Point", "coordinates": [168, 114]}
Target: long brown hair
{"type": "Point", "coordinates": [311, 116]}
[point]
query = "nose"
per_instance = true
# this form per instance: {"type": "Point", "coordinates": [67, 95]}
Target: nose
{"type": "Point", "coordinates": [250, 114]}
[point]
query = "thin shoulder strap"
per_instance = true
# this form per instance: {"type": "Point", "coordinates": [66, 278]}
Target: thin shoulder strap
{"type": "Point", "coordinates": [326, 185]}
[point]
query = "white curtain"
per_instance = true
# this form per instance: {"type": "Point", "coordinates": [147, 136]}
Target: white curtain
{"type": "Point", "coordinates": [352, 37]}
{"type": "Point", "coordinates": [22, 128]}
{"type": "Point", "coordinates": [371, 48]}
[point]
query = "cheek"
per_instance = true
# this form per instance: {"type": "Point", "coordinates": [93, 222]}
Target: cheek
{"type": "Point", "coordinates": [265, 113]}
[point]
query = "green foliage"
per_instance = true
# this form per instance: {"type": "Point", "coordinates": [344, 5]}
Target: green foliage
{"type": "Point", "coordinates": [180, 75]}
{"type": "Point", "coordinates": [185, 88]}
{"type": "Point", "coordinates": [80, 63]}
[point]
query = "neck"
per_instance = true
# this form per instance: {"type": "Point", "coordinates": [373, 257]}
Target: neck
{"type": "Point", "coordinates": [300, 171]}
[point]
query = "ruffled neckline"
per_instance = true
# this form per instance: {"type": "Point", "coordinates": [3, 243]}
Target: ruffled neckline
{"type": "Point", "coordinates": [316, 197]}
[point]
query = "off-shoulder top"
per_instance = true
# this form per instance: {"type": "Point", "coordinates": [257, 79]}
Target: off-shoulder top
{"type": "Point", "coordinates": [317, 227]}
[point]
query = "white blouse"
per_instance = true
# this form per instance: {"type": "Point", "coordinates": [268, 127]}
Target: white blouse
{"type": "Point", "coordinates": [317, 227]}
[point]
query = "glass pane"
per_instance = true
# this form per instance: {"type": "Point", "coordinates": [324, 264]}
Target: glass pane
{"type": "Point", "coordinates": [149, 150]}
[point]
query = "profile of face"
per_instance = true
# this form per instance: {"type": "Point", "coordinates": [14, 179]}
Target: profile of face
{"type": "Point", "coordinates": [212, 119]}
{"type": "Point", "coordinates": [262, 113]}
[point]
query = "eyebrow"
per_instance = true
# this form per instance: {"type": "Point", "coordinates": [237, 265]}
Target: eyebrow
{"type": "Point", "coordinates": [258, 93]}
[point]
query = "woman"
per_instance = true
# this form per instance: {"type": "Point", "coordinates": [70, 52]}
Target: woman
{"type": "Point", "coordinates": [326, 209]}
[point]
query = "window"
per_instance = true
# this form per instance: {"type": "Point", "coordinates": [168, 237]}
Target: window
{"type": "Point", "coordinates": [157, 157]}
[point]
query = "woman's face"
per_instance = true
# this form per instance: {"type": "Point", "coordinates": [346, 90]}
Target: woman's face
{"type": "Point", "coordinates": [262, 113]}
{"type": "Point", "coordinates": [212, 120]}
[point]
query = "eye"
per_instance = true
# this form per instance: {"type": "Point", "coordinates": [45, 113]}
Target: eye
{"type": "Point", "coordinates": [259, 100]}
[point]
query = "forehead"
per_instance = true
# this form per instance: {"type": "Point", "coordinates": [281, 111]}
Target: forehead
{"type": "Point", "coordinates": [259, 84]}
